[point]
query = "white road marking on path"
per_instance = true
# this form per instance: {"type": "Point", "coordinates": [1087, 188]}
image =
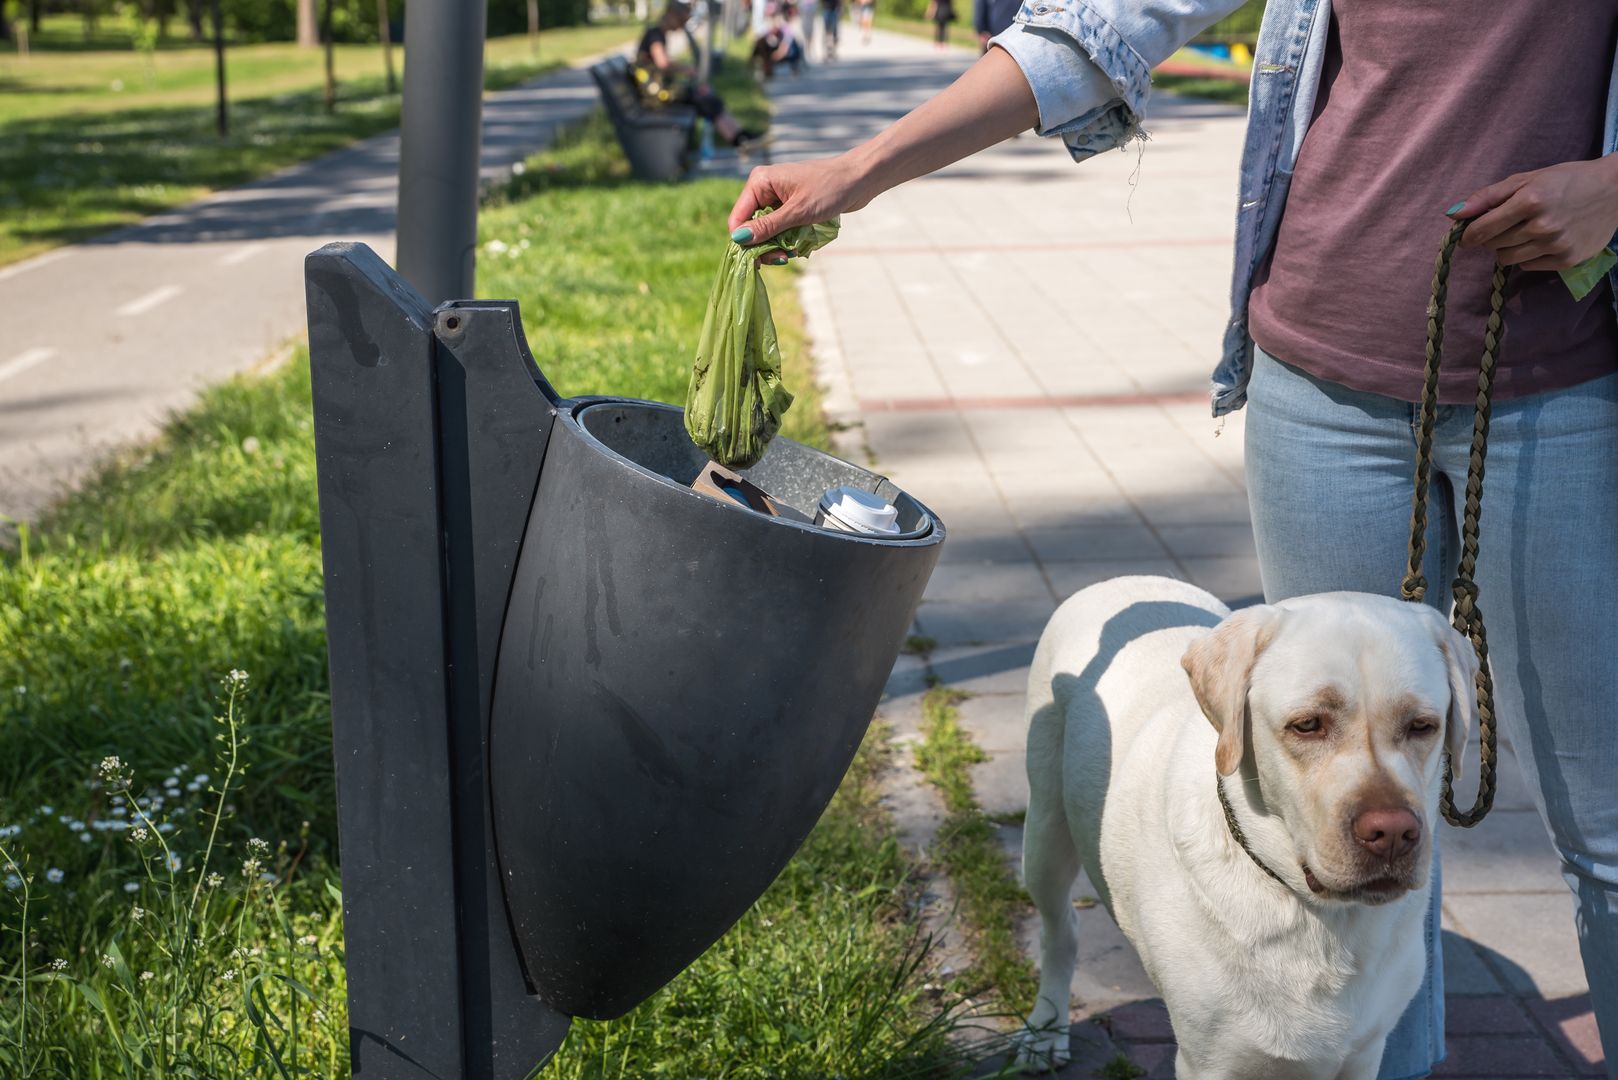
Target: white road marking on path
{"type": "Point", "coordinates": [34, 263]}
{"type": "Point", "coordinates": [142, 304]}
{"type": "Point", "coordinates": [25, 360]}
{"type": "Point", "coordinates": [242, 254]}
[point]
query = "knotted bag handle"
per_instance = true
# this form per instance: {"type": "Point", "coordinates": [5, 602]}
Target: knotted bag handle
{"type": "Point", "coordinates": [1468, 615]}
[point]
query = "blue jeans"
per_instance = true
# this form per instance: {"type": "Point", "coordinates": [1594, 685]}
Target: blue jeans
{"type": "Point", "coordinates": [1329, 473]}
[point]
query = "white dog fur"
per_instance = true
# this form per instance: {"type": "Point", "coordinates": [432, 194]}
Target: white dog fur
{"type": "Point", "coordinates": [1314, 713]}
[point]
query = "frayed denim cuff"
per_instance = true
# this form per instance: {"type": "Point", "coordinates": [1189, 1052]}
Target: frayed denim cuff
{"type": "Point", "coordinates": [1089, 83]}
{"type": "Point", "coordinates": [1066, 84]}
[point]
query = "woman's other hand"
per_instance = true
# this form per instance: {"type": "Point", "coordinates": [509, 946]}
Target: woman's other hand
{"type": "Point", "coordinates": [1549, 219]}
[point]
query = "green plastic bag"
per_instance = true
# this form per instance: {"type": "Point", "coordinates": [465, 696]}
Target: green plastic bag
{"type": "Point", "coordinates": [1588, 274]}
{"type": "Point", "coordinates": [735, 402]}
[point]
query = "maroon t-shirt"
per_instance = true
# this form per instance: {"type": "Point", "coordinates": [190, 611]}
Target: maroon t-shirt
{"type": "Point", "coordinates": [1423, 102]}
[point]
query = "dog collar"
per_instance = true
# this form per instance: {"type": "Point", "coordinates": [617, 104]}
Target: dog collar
{"type": "Point", "coordinates": [1236, 830]}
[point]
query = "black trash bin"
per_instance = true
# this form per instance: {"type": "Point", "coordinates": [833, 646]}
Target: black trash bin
{"type": "Point", "coordinates": [582, 714]}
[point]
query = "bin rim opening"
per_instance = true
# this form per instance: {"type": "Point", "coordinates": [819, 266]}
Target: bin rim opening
{"type": "Point", "coordinates": [929, 530]}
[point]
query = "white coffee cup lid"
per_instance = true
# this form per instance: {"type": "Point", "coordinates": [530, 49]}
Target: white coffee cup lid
{"type": "Point", "coordinates": [861, 510]}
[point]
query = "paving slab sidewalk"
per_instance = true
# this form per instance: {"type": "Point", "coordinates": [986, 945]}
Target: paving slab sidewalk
{"type": "Point", "coordinates": [1024, 344]}
{"type": "Point", "coordinates": [107, 336]}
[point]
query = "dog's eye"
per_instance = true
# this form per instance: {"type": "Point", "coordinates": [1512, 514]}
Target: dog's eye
{"type": "Point", "coordinates": [1308, 725]}
{"type": "Point", "coordinates": [1423, 725]}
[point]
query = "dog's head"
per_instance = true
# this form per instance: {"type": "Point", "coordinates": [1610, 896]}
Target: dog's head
{"type": "Point", "coordinates": [1342, 704]}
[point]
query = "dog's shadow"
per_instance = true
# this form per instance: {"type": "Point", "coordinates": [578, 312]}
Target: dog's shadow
{"type": "Point", "coordinates": [1491, 999]}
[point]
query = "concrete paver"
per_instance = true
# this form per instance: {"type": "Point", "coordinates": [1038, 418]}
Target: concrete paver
{"type": "Point", "coordinates": [1025, 344]}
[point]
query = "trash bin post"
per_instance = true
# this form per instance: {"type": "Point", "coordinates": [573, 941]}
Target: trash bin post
{"type": "Point", "coordinates": [419, 530]}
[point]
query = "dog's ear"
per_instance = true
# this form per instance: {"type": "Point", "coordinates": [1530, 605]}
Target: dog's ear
{"type": "Point", "coordinates": [1461, 660]}
{"type": "Point", "coordinates": [1220, 664]}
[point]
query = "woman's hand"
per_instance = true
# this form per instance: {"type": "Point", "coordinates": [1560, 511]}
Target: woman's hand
{"type": "Point", "coordinates": [991, 102]}
{"type": "Point", "coordinates": [802, 193]}
{"type": "Point", "coordinates": [1548, 219]}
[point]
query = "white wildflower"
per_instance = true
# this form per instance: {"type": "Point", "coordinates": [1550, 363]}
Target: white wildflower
{"type": "Point", "coordinates": [110, 765]}
{"type": "Point", "coordinates": [131, 887]}
{"type": "Point", "coordinates": [107, 960]}
{"type": "Point", "coordinates": [47, 810]}
{"type": "Point", "coordinates": [139, 834]}
{"type": "Point", "coordinates": [13, 882]}
{"type": "Point", "coordinates": [58, 964]}
{"type": "Point", "coordinates": [237, 677]}
{"type": "Point", "coordinates": [258, 847]}
{"type": "Point", "coordinates": [174, 862]}
{"type": "Point", "coordinates": [54, 875]}
{"type": "Point", "coordinates": [137, 913]}
{"type": "Point", "coordinates": [250, 445]}
{"type": "Point", "coordinates": [307, 940]}
{"type": "Point", "coordinates": [215, 880]}
{"type": "Point", "coordinates": [230, 973]}
{"type": "Point", "coordinates": [146, 976]}
{"type": "Point", "coordinates": [497, 247]}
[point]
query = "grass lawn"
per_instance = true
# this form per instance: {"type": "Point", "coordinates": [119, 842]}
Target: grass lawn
{"type": "Point", "coordinates": [167, 819]}
{"type": "Point", "coordinates": [1213, 89]}
{"type": "Point", "coordinates": [90, 140]}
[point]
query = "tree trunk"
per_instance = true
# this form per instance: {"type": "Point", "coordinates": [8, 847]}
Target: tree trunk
{"type": "Point", "coordinates": [533, 27]}
{"type": "Point", "coordinates": [89, 19]}
{"type": "Point", "coordinates": [193, 15]}
{"type": "Point", "coordinates": [222, 118]}
{"type": "Point", "coordinates": [386, 34]}
{"type": "Point", "coordinates": [5, 23]}
{"type": "Point", "coordinates": [331, 61]}
{"type": "Point", "coordinates": [33, 16]}
{"type": "Point", "coordinates": [308, 25]}
{"type": "Point", "coordinates": [165, 8]}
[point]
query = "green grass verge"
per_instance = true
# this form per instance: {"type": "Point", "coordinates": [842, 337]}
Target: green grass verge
{"type": "Point", "coordinates": [124, 615]}
{"type": "Point", "coordinates": [93, 140]}
{"type": "Point", "coordinates": [969, 851]}
{"type": "Point", "coordinates": [1227, 91]}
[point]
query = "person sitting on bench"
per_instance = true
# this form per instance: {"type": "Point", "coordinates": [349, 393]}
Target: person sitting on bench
{"type": "Point", "coordinates": [662, 82]}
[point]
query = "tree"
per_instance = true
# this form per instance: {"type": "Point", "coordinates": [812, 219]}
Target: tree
{"type": "Point", "coordinates": [331, 63]}
{"type": "Point", "coordinates": [308, 26]}
{"type": "Point", "coordinates": [385, 32]}
{"type": "Point", "coordinates": [5, 23]}
{"type": "Point", "coordinates": [533, 27]}
{"type": "Point", "coordinates": [193, 16]}
{"type": "Point", "coordinates": [223, 116]}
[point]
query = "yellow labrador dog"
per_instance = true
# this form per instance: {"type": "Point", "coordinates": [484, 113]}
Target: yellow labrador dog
{"type": "Point", "coordinates": [1259, 824]}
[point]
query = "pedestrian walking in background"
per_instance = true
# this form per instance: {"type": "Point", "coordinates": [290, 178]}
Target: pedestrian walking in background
{"type": "Point", "coordinates": [867, 14]}
{"type": "Point", "coordinates": [941, 13]}
{"type": "Point", "coordinates": [807, 15]}
{"type": "Point", "coordinates": [831, 12]}
{"type": "Point", "coordinates": [992, 17]}
{"type": "Point", "coordinates": [1370, 123]}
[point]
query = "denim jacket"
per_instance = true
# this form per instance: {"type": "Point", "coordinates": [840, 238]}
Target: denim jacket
{"type": "Point", "coordinates": [1089, 63]}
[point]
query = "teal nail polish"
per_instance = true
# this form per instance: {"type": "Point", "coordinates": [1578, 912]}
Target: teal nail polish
{"type": "Point", "coordinates": [742, 235]}
{"type": "Point", "coordinates": [1456, 209]}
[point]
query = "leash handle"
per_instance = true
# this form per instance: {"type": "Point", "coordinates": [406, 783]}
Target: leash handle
{"type": "Point", "coordinates": [1468, 618]}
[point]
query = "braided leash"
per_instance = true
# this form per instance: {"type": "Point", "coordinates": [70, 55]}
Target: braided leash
{"type": "Point", "coordinates": [1468, 617]}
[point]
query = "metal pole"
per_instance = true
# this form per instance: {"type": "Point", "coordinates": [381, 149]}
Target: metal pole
{"type": "Point", "coordinates": [440, 145]}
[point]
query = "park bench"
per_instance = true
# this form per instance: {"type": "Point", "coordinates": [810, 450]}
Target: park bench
{"type": "Point", "coordinates": [657, 142]}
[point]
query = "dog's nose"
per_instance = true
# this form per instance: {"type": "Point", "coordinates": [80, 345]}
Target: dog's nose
{"type": "Point", "coordinates": [1388, 833]}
